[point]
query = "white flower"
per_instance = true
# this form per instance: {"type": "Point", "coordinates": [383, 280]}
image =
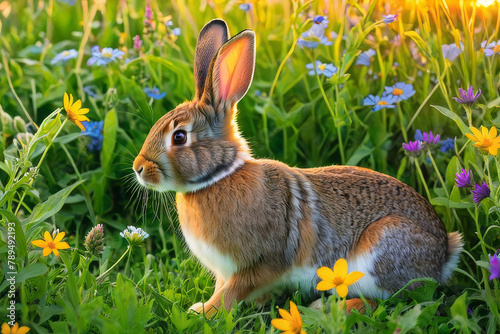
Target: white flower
{"type": "Point", "coordinates": [133, 235]}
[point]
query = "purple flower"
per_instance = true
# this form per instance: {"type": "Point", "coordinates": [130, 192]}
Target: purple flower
{"type": "Point", "coordinates": [412, 148]}
{"type": "Point", "coordinates": [137, 42]}
{"type": "Point", "coordinates": [418, 135]}
{"type": "Point", "coordinates": [447, 144]}
{"type": "Point", "coordinates": [430, 139]}
{"type": "Point", "coordinates": [321, 20]}
{"type": "Point", "coordinates": [451, 52]}
{"type": "Point", "coordinates": [480, 192]}
{"type": "Point", "coordinates": [154, 93]}
{"type": "Point", "coordinates": [386, 101]}
{"type": "Point", "coordinates": [365, 57]}
{"type": "Point", "coordinates": [94, 241]}
{"type": "Point", "coordinates": [464, 179]}
{"type": "Point", "coordinates": [495, 266]}
{"type": "Point", "coordinates": [326, 69]}
{"type": "Point", "coordinates": [492, 48]}
{"type": "Point", "coordinates": [148, 13]}
{"type": "Point", "coordinates": [314, 37]}
{"type": "Point", "coordinates": [245, 7]}
{"type": "Point", "coordinates": [468, 97]}
{"type": "Point", "coordinates": [177, 31]}
{"type": "Point", "coordinates": [389, 18]}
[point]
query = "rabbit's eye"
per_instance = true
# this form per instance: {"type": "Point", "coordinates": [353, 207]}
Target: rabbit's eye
{"type": "Point", "coordinates": [179, 137]}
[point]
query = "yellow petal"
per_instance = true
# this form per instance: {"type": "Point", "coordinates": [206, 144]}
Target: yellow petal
{"type": "Point", "coordinates": [81, 118]}
{"type": "Point", "coordinates": [56, 252]}
{"type": "Point", "coordinates": [70, 101]}
{"type": "Point", "coordinates": [294, 311]}
{"type": "Point", "coordinates": [39, 243]}
{"type": "Point", "coordinates": [476, 133]}
{"type": "Point", "coordinates": [23, 330]}
{"type": "Point", "coordinates": [281, 324]}
{"type": "Point", "coordinates": [78, 104]}
{"type": "Point", "coordinates": [47, 237]}
{"type": "Point", "coordinates": [493, 132]}
{"type": "Point", "coordinates": [59, 237]}
{"type": "Point", "coordinates": [493, 150]}
{"type": "Point", "coordinates": [484, 132]}
{"type": "Point", "coordinates": [79, 124]}
{"type": "Point", "coordinates": [340, 268]}
{"type": "Point", "coordinates": [82, 111]}
{"type": "Point", "coordinates": [285, 315]}
{"type": "Point", "coordinates": [353, 277]}
{"type": "Point", "coordinates": [471, 137]}
{"type": "Point", "coordinates": [47, 251]}
{"type": "Point", "coordinates": [66, 101]}
{"type": "Point", "coordinates": [325, 273]}
{"type": "Point", "coordinates": [5, 328]}
{"type": "Point", "coordinates": [325, 285]}
{"type": "Point", "coordinates": [14, 329]}
{"type": "Point", "coordinates": [62, 245]}
{"type": "Point", "coordinates": [342, 290]}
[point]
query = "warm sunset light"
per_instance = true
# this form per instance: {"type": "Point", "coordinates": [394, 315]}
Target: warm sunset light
{"type": "Point", "coordinates": [486, 3]}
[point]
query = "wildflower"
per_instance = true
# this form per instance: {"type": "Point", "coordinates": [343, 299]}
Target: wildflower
{"type": "Point", "coordinates": [314, 37]}
{"type": "Point", "coordinates": [65, 55]}
{"type": "Point", "coordinates": [326, 69]}
{"type": "Point", "coordinates": [447, 144]}
{"type": "Point", "coordinates": [94, 131]}
{"type": "Point", "coordinates": [321, 20]}
{"type": "Point", "coordinates": [386, 101]}
{"type": "Point", "coordinates": [51, 244]}
{"type": "Point", "coordinates": [365, 57]}
{"type": "Point", "coordinates": [104, 56]}
{"type": "Point", "coordinates": [495, 266]}
{"type": "Point", "coordinates": [483, 45]}
{"type": "Point", "coordinates": [337, 278]}
{"type": "Point", "coordinates": [89, 91]}
{"type": "Point", "coordinates": [430, 139]}
{"type": "Point", "coordinates": [487, 142]}
{"type": "Point", "coordinates": [418, 135]}
{"type": "Point", "coordinates": [137, 42]}
{"type": "Point", "coordinates": [6, 329]}
{"type": "Point", "coordinates": [464, 179]}
{"type": "Point", "coordinates": [413, 148]}
{"type": "Point", "coordinates": [389, 18]}
{"type": "Point", "coordinates": [246, 7]}
{"type": "Point", "coordinates": [480, 192]}
{"type": "Point", "coordinates": [291, 323]}
{"type": "Point", "coordinates": [492, 48]}
{"type": "Point", "coordinates": [468, 97]}
{"type": "Point", "coordinates": [402, 91]}
{"type": "Point", "coordinates": [74, 111]}
{"type": "Point", "coordinates": [94, 240]}
{"type": "Point", "coordinates": [134, 236]}
{"type": "Point", "coordinates": [148, 14]}
{"type": "Point", "coordinates": [451, 52]}
{"type": "Point", "coordinates": [154, 93]}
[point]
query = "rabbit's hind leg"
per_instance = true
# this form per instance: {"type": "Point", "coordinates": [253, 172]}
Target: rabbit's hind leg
{"type": "Point", "coordinates": [391, 252]}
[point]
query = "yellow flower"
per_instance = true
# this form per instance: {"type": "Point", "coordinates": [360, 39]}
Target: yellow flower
{"type": "Point", "coordinates": [291, 322]}
{"type": "Point", "coordinates": [6, 329]}
{"type": "Point", "coordinates": [75, 111]}
{"type": "Point", "coordinates": [487, 142]}
{"type": "Point", "coordinates": [337, 278]}
{"type": "Point", "coordinates": [50, 245]}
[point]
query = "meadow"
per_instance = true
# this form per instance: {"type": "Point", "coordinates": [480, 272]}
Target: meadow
{"type": "Point", "coordinates": [407, 88]}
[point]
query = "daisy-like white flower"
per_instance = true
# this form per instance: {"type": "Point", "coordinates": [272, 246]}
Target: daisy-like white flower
{"type": "Point", "coordinates": [291, 323]}
{"type": "Point", "coordinates": [6, 329]}
{"type": "Point", "coordinates": [75, 112]}
{"type": "Point", "coordinates": [105, 56]}
{"type": "Point", "coordinates": [492, 48]}
{"type": "Point", "coordinates": [65, 55]}
{"type": "Point", "coordinates": [365, 58]}
{"type": "Point", "coordinates": [389, 18]}
{"type": "Point", "coordinates": [451, 52]}
{"type": "Point", "coordinates": [134, 236]}
{"type": "Point", "coordinates": [51, 245]}
{"type": "Point", "coordinates": [326, 69]}
{"type": "Point", "coordinates": [386, 101]}
{"type": "Point", "coordinates": [337, 278]}
{"type": "Point", "coordinates": [402, 91]}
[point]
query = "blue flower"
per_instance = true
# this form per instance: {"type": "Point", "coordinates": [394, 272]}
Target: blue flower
{"type": "Point", "coordinates": [69, 2]}
{"type": "Point", "coordinates": [177, 31]}
{"type": "Point", "coordinates": [65, 55]}
{"type": "Point", "coordinates": [326, 69]}
{"type": "Point", "coordinates": [389, 18]}
{"type": "Point", "coordinates": [418, 135]}
{"type": "Point", "coordinates": [321, 20]}
{"type": "Point", "coordinates": [447, 144]}
{"type": "Point", "coordinates": [451, 52]}
{"type": "Point", "coordinates": [386, 101]}
{"type": "Point", "coordinates": [94, 131]}
{"type": "Point", "coordinates": [492, 48]}
{"type": "Point", "coordinates": [89, 91]}
{"type": "Point", "coordinates": [154, 93]}
{"type": "Point", "coordinates": [402, 91]}
{"type": "Point", "coordinates": [365, 57]}
{"type": "Point", "coordinates": [104, 56]}
{"type": "Point", "coordinates": [245, 7]}
{"type": "Point", "coordinates": [314, 37]}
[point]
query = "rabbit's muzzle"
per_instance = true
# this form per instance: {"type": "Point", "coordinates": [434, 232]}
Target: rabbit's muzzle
{"type": "Point", "coordinates": [147, 172]}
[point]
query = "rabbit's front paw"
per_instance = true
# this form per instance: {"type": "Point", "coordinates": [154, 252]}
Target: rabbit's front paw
{"type": "Point", "coordinates": [210, 310]}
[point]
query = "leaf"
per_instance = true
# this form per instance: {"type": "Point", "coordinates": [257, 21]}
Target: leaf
{"type": "Point", "coordinates": [33, 270]}
{"type": "Point", "coordinates": [452, 168]}
{"type": "Point", "coordinates": [450, 204]}
{"type": "Point", "coordinates": [21, 250]}
{"type": "Point", "coordinates": [109, 140]}
{"type": "Point", "coordinates": [451, 115]}
{"type": "Point", "coordinates": [420, 43]}
{"type": "Point", "coordinates": [52, 205]}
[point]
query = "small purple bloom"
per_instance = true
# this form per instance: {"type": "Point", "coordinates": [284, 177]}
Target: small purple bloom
{"type": "Point", "coordinates": [464, 179]}
{"type": "Point", "coordinates": [451, 52]}
{"type": "Point", "coordinates": [326, 69]}
{"type": "Point", "coordinates": [94, 131]}
{"type": "Point", "coordinates": [447, 144]}
{"type": "Point", "coordinates": [148, 13]}
{"type": "Point", "coordinates": [412, 148]}
{"type": "Point", "coordinates": [430, 139]}
{"type": "Point", "coordinates": [245, 7]}
{"type": "Point", "coordinates": [389, 18]}
{"type": "Point", "coordinates": [314, 37]}
{"type": "Point", "coordinates": [492, 48]}
{"type": "Point", "coordinates": [418, 135]}
{"type": "Point", "coordinates": [176, 31]}
{"type": "Point", "coordinates": [495, 266]}
{"type": "Point", "coordinates": [137, 42]}
{"type": "Point", "coordinates": [321, 20]}
{"type": "Point", "coordinates": [154, 93]}
{"type": "Point", "coordinates": [480, 192]}
{"type": "Point", "coordinates": [365, 57]}
{"type": "Point", "coordinates": [468, 97]}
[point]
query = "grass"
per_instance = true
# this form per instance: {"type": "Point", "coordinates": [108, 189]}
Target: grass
{"type": "Point", "coordinates": [50, 179]}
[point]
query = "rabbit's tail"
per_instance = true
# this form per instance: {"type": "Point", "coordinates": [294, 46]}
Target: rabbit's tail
{"type": "Point", "coordinates": [455, 245]}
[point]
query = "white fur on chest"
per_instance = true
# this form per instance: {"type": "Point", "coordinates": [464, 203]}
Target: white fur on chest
{"type": "Point", "coordinates": [222, 265]}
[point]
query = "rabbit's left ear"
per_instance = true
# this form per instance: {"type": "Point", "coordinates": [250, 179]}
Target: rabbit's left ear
{"type": "Point", "coordinates": [231, 71]}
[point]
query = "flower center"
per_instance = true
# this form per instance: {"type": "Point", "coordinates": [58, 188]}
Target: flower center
{"type": "Point", "coordinates": [497, 49]}
{"type": "Point", "coordinates": [382, 103]}
{"type": "Point", "coordinates": [486, 143]}
{"type": "Point", "coordinates": [322, 67]}
{"type": "Point", "coordinates": [66, 53]}
{"type": "Point", "coordinates": [397, 91]}
{"type": "Point", "coordinates": [51, 245]}
{"type": "Point", "coordinates": [106, 54]}
{"type": "Point", "coordinates": [338, 280]}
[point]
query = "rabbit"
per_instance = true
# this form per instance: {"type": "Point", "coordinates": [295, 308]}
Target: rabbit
{"type": "Point", "coordinates": [261, 226]}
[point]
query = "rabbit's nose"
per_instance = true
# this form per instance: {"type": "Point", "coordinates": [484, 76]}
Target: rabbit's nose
{"type": "Point", "coordinates": [139, 163]}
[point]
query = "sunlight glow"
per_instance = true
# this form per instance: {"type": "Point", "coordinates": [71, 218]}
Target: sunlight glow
{"type": "Point", "coordinates": [486, 3]}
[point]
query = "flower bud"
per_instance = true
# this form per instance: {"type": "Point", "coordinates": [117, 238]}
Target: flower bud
{"type": "Point", "coordinates": [19, 124]}
{"type": "Point", "coordinates": [94, 240]}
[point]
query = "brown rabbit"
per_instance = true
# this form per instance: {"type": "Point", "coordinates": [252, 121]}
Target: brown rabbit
{"type": "Point", "coordinates": [260, 225]}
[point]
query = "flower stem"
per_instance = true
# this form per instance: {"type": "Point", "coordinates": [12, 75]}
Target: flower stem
{"type": "Point", "coordinates": [114, 265]}
{"type": "Point", "coordinates": [422, 178]}
{"type": "Point", "coordinates": [438, 173]}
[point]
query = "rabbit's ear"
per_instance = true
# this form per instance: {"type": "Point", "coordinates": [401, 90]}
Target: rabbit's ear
{"type": "Point", "coordinates": [231, 71]}
{"type": "Point", "coordinates": [213, 35]}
